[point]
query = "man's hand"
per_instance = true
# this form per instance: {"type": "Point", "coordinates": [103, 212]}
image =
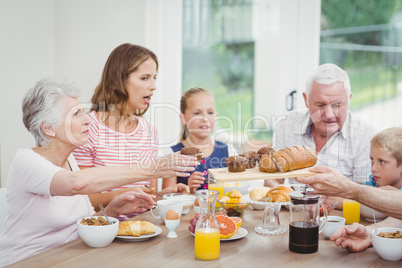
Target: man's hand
{"type": "Point", "coordinates": [329, 181]}
{"type": "Point", "coordinates": [353, 237]}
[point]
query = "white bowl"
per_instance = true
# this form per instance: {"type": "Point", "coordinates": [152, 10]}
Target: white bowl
{"type": "Point", "coordinates": [333, 224]}
{"type": "Point", "coordinates": [389, 249]}
{"type": "Point", "coordinates": [98, 236]}
{"type": "Point", "coordinates": [367, 214]}
{"type": "Point", "coordinates": [186, 199]}
{"type": "Point", "coordinates": [240, 186]}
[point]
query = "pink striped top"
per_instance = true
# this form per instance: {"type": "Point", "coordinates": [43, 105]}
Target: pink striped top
{"type": "Point", "coordinates": [107, 147]}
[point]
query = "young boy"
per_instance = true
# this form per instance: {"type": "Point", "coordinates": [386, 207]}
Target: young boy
{"type": "Point", "coordinates": [386, 158]}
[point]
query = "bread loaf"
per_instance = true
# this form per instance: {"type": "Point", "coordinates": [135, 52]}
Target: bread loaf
{"type": "Point", "coordinates": [288, 159]}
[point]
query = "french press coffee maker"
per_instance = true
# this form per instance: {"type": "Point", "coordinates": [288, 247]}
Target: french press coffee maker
{"type": "Point", "coordinates": [305, 224]}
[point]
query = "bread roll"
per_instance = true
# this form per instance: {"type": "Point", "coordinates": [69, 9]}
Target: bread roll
{"type": "Point", "coordinates": [279, 194]}
{"type": "Point", "coordinates": [259, 193]}
{"type": "Point", "coordinates": [288, 159]}
{"type": "Point", "coordinates": [135, 228]}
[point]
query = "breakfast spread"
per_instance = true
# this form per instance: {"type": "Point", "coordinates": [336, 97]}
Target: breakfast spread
{"type": "Point", "coordinates": [288, 159]}
{"type": "Point", "coordinates": [135, 228]}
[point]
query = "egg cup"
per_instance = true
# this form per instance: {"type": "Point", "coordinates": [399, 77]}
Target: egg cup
{"type": "Point", "coordinates": [172, 226]}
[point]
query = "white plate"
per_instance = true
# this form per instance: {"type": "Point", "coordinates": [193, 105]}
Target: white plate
{"type": "Point", "coordinates": [241, 232]}
{"type": "Point", "coordinates": [130, 238]}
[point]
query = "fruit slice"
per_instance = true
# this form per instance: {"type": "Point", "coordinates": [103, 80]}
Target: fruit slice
{"type": "Point", "coordinates": [227, 226]}
{"type": "Point", "coordinates": [238, 221]}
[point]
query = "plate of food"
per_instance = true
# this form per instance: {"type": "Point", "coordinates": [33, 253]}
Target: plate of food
{"type": "Point", "coordinates": [136, 231]}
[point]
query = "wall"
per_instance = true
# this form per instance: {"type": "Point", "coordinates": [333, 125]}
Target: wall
{"type": "Point", "coordinates": [26, 53]}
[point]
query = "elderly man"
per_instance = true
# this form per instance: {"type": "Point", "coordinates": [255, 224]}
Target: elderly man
{"type": "Point", "coordinates": [339, 138]}
{"type": "Point", "coordinates": [356, 237]}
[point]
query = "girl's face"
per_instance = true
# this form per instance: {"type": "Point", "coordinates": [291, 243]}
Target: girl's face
{"type": "Point", "coordinates": [73, 129]}
{"type": "Point", "coordinates": [200, 115]}
{"type": "Point", "coordinates": [384, 167]}
{"type": "Point", "coordinates": [140, 86]}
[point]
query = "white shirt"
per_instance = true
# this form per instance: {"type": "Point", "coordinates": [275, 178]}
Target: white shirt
{"type": "Point", "coordinates": [348, 150]}
{"type": "Point", "coordinates": [37, 221]}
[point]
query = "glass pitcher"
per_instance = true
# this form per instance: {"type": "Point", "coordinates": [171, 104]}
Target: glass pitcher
{"type": "Point", "coordinates": [207, 238]}
{"type": "Point", "coordinates": [305, 223]}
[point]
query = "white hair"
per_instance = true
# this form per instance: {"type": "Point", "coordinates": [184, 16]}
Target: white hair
{"type": "Point", "coordinates": [40, 106]}
{"type": "Point", "coordinates": [328, 74]}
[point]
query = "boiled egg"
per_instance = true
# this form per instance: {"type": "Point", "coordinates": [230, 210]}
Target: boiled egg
{"type": "Point", "coordinates": [172, 215]}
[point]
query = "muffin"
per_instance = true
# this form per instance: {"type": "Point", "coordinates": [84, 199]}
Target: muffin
{"type": "Point", "coordinates": [236, 163]}
{"type": "Point", "coordinates": [252, 158]}
{"type": "Point", "coordinates": [265, 150]}
{"type": "Point", "coordinates": [192, 151]}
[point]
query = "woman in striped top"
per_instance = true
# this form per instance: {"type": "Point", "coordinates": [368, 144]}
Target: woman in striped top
{"type": "Point", "coordinates": [118, 134]}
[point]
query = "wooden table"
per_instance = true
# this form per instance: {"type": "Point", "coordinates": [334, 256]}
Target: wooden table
{"type": "Point", "coordinates": [251, 251]}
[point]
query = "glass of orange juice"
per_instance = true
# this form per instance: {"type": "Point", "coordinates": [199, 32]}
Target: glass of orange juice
{"type": "Point", "coordinates": [213, 185]}
{"type": "Point", "coordinates": [207, 237]}
{"type": "Point", "coordinates": [351, 211]}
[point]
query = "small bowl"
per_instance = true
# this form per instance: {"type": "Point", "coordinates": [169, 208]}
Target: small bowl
{"type": "Point", "coordinates": [186, 199]}
{"type": "Point", "coordinates": [389, 249]}
{"type": "Point", "coordinates": [234, 209]}
{"type": "Point", "coordinates": [367, 214]}
{"type": "Point", "coordinates": [240, 186]}
{"type": "Point", "coordinates": [98, 236]}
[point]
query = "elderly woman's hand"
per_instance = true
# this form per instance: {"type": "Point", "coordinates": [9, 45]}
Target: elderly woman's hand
{"type": "Point", "coordinates": [129, 202]}
{"type": "Point", "coordinates": [174, 164]}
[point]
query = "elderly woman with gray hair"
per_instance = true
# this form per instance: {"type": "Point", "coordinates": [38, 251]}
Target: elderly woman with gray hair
{"type": "Point", "coordinates": [46, 191]}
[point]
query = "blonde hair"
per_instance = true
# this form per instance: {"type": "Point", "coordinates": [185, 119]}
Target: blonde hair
{"type": "Point", "coordinates": [183, 107]}
{"type": "Point", "coordinates": [391, 139]}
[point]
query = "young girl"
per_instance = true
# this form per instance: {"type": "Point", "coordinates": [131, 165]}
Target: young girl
{"type": "Point", "coordinates": [198, 113]}
{"type": "Point", "coordinates": [118, 135]}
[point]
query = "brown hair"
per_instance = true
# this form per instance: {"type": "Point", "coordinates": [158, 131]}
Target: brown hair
{"type": "Point", "coordinates": [390, 139]}
{"type": "Point", "coordinates": [111, 91]}
{"type": "Point", "coordinates": [183, 107]}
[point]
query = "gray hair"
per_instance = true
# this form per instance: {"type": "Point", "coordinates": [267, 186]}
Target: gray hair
{"type": "Point", "coordinates": [328, 74]}
{"type": "Point", "coordinates": [40, 106]}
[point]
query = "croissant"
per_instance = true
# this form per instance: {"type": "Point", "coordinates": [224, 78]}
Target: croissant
{"type": "Point", "coordinates": [135, 228]}
{"type": "Point", "coordinates": [279, 194]}
{"type": "Point", "coordinates": [288, 159]}
{"type": "Point", "coordinates": [259, 193]}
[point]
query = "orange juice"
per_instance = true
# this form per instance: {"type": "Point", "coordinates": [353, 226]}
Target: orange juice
{"type": "Point", "coordinates": [219, 188]}
{"type": "Point", "coordinates": [207, 244]}
{"type": "Point", "coordinates": [351, 211]}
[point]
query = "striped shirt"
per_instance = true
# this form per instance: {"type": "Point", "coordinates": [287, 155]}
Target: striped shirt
{"type": "Point", "coordinates": [108, 147]}
{"type": "Point", "coordinates": [348, 150]}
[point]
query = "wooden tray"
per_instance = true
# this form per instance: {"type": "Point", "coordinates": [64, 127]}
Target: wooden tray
{"type": "Point", "coordinates": [223, 175]}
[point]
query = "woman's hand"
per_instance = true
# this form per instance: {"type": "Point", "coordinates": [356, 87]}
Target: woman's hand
{"type": "Point", "coordinates": [129, 202]}
{"type": "Point", "coordinates": [353, 237]}
{"type": "Point", "coordinates": [174, 165]}
{"type": "Point", "coordinates": [195, 181]}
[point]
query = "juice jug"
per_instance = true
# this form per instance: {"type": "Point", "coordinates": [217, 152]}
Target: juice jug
{"type": "Point", "coordinates": [305, 224]}
{"type": "Point", "coordinates": [207, 238]}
